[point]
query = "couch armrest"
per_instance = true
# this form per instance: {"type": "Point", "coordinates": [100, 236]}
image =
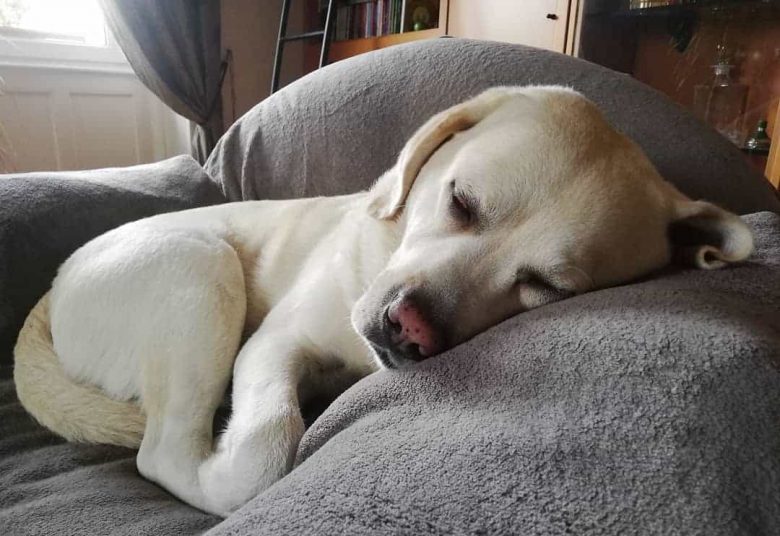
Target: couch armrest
{"type": "Point", "coordinates": [44, 217]}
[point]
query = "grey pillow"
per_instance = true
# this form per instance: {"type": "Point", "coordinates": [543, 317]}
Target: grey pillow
{"type": "Point", "coordinates": [337, 130]}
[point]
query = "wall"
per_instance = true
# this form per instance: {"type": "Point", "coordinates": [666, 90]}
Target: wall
{"type": "Point", "coordinates": [249, 30]}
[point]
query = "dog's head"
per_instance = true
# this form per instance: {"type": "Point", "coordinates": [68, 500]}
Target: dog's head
{"type": "Point", "coordinates": [515, 199]}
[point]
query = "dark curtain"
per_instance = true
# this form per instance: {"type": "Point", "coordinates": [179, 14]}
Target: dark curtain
{"type": "Point", "coordinates": [174, 48]}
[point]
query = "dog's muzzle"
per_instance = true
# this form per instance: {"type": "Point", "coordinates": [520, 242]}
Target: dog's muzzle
{"type": "Point", "coordinates": [406, 331]}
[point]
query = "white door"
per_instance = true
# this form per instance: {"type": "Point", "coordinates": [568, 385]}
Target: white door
{"type": "Point", "coordinates": [538, 23]}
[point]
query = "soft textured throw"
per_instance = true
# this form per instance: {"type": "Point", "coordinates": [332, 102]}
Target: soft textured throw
{"type": "Point", "coordinates": [651, 408]}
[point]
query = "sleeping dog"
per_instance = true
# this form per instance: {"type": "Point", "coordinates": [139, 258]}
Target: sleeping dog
{"type": "Point", "coordinates": [512, 200]}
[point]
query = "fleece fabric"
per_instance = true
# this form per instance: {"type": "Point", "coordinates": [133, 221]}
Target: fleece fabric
{"type": "Point", "coordinates": [50, 487]}
{"type": "Point", "coordinates": [651, 408]}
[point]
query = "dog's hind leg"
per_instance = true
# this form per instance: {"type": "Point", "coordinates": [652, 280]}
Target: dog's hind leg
{"type": "Point", "coordinates": [183, 382]}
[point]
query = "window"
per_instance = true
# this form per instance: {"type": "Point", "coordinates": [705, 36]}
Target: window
{"type": "Point", "coordinates": [57, 33]}
{"type": "Point", "coordinates": [73, 22]}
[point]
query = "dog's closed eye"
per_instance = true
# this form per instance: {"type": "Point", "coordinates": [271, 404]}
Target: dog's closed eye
{"type": "Point", "coordinates": [462, 207]}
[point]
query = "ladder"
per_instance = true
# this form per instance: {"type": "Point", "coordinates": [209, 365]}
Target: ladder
{"type": "Point", "coordinates": [283, 38]}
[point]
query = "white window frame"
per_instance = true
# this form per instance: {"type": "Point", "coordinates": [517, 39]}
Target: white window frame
{"type": "Point", "coordinates": [41, 52]}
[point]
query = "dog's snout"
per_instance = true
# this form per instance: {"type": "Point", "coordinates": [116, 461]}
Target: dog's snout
{"type": "Point", "coordinates": [410, 324]}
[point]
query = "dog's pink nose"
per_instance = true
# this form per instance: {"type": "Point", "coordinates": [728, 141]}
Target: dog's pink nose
{"type": "Point", "coordinates": [414, 327]}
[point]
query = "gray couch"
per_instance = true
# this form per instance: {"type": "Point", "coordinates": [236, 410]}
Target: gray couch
{"type": "Point", "coordinates": [648, 408]}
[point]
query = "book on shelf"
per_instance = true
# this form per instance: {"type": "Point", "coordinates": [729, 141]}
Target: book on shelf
{"type": "Point", "coordinates": [357, 19]}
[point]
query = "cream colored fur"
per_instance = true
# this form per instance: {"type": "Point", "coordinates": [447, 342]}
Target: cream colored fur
{"type": "Point", "coordinates": [58, 402]}
{"type": "Point", "coordinates": [146, 325]}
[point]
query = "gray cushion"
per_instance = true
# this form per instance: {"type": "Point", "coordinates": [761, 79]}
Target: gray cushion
{"type": "Point", "coordinates": [45, 216]}
{"type": "Point", "coordinates": [644, 409]}
{"type": "Point", "coordinates": [650, 408]}
{"type": "Point", "coordinates": [338, 129]}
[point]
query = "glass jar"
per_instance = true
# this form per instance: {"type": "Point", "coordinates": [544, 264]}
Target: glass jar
{"type": "Point", "coordinates": [721, 103]}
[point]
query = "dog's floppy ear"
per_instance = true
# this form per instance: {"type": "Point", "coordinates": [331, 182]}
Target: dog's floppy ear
{"type": "Point", "coordinates": [707, 236]}
{"type": "Point", "coordinates": [389, 193]}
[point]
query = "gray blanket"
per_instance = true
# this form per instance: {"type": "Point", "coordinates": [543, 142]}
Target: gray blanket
{"type": "Point", "coordinates": [49, 487]}
{"type": "Point", "coordinates": [651, 408]}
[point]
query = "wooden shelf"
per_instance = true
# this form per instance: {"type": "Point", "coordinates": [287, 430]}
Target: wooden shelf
{"type": "Point", "coordinates": [340, 50]}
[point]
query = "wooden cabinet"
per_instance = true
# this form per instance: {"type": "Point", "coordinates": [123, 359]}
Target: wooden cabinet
{"type": "Point", "coordinates": [677, 48]}
{"type": "Point", "coordinates": [538, 23]}
{"type": "Point", "coordinates": [773, 162]}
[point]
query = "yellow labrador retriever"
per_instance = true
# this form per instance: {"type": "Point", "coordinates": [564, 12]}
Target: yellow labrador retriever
{"type": "Point", "coordinates": [509, 201]}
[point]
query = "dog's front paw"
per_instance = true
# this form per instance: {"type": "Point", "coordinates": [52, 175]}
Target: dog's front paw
{"type": "Point", "coordinates": [238, 471]}
{"type": "Point", "coordinates": [225, 484]}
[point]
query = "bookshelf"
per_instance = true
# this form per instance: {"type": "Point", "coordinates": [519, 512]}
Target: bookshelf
{"type": "Point", "coordinates": [366, 25]}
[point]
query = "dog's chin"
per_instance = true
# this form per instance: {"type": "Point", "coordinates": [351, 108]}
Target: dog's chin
{"type": "Point", "coordinates": [388, 359]}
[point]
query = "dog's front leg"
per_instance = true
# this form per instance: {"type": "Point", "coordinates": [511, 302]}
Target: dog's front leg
{"type": "Point", "coordinates": [258, 447]}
